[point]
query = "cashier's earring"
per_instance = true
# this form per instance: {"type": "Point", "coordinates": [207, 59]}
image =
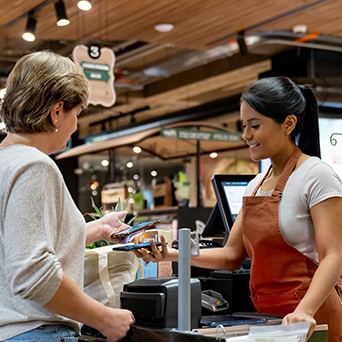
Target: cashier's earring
{"type": "Point", "coordinates": [56, 125]}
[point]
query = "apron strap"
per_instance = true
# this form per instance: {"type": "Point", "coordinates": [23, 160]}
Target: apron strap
{"type": "Point", "coordinates": [289, 167]}
{"type": "Point", "coordinates": [262, 180]}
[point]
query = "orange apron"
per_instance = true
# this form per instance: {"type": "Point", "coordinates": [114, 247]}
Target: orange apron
{"type": "Point", "coordinates": [280, 274]}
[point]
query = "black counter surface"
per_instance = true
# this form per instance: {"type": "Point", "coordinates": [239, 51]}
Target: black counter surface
{"type": "Point", "coordinates": [138, 334]}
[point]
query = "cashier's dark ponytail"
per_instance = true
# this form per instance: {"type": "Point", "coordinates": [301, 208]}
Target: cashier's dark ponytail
{"type": "Point", "coordinates": [278, 97]}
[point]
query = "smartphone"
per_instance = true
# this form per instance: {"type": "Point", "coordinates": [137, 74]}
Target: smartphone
{"type": "Point", "coordinates": [136, 228]}
{"type": "Point", "coordinates": [146, 245]}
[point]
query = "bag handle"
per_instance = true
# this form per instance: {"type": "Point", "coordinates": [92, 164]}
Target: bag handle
{"type": "Point", "coordinates": [104, 277]}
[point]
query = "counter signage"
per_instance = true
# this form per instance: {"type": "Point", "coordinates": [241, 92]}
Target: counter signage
{"type": "Point", "coordinates": [182, 133]}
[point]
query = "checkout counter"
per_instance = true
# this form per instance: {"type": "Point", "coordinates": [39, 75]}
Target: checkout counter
{"type": "Point", "coordinates": [158, 304]}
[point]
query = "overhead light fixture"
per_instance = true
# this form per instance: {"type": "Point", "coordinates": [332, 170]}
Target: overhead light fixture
{"type": "Point", "coordinates": [84, 5]}
{"type": "Point", "coordinates": [2, 93]}
{"type": "Point", "coordinates": [213, 155]}
{"type": "Point", "coordinates": [62, 19]}
{"type": "Point", "coordinates": [299, 29]}
{"type": "Point", "coordinates": [28, 35]}
{"type": "Point", "coordinates": [242, 43]}
{"type": "Point", "coordinates": [164, 27]}
{"type": "Point", "coordinates": [136, 149]}
{"type": "Point", "coordinates": [105, 162]}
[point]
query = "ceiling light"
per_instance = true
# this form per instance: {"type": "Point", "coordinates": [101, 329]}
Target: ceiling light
{"type": "Point", "coordinates": [28, 35]}
{"type": "Point", "coordinates": [2, 93]}
{"type": "Point", "coordinates": [299, 29]}
{"type": "Point", "coordinates": [164, 27]}
{"type": "Point", "coordinates": [213, 155]}
{"type": "Point", "coordinates": [105, 162]}
{"type": "Point", "coordinates": [154, 173]}
{"type": "Point", "coordinates": [129, 165]}
{"type": "Point", "coordinates": [94, 185]}
{"type": "Point", "coordinates": [136, 149]}
{"type": "Point", "coordinates": [84, 5]}
{"type": "Point", "coordinates": [250, 40]}
{"type": "Point", "coordinates": [62, 19]}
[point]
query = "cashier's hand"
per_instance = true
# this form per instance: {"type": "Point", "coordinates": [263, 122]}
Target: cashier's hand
{"type": "Point", "coordinates": [300, 316]}
{"type": "Point", "coordinates": [156, 254]}
{"type": "Point", "coordinates": [116, 324]}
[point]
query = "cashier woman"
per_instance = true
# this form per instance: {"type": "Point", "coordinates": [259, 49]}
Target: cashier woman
{"type": "Point", "coordinates": [42, 233]}
{"type": "Point", "coordinates": [290, 222]}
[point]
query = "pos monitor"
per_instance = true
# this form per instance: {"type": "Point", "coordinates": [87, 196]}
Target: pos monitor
{"type": "Point", "coordinates": [229, 190]}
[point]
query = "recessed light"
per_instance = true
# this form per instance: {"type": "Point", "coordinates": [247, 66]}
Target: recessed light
{"type": "Point", "coordinates": [84, 5]}
{"type": "Point", "coordinates": [164, 27]}
{"type": "Point", "coordinates": [299, 29]}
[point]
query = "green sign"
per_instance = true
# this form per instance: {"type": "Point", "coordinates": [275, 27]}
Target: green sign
{"type": "Point", "coordinates": [96, 71]}
{"type": "Point", "coordinates": [92, 75]}
{"type": "Point", "coordinates": [182, 133]}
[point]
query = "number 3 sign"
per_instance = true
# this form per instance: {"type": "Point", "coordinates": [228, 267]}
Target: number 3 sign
{"type": "Point", "coordinates": [98, 65]}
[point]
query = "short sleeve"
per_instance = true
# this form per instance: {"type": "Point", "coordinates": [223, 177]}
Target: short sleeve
{"type": "Point", "coordinates": [321, 182]}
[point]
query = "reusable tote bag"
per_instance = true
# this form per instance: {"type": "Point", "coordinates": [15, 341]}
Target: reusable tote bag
{"type": "Point", "coordinates": [105, 273]}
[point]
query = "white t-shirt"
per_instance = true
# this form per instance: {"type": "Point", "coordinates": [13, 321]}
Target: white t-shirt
{"type": "Point", "coordinates": [313, 182]}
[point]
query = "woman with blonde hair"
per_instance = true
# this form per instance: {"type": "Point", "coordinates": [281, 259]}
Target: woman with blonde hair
{"type": "Point", "coordinates": [43, 234]}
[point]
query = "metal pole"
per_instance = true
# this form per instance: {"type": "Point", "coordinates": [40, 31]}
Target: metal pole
{"type": "Point", "coordinates": [112, 165]}
{"type": "Point", "coordinates": [198, 158]}
{"type": "Point", "coordinates": [184, 293]}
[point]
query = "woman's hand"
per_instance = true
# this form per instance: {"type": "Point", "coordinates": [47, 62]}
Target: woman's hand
{"type": "Point", "coordinates": [156, 254]}
{"type": "Point", "coordinates": [110, 223]}
{"type": "Point", "coordinates": [116, 324]}
{"type": "Point", "coordinates": [103, 228]}
{"type": "Point", "coordinates": [298, 316]}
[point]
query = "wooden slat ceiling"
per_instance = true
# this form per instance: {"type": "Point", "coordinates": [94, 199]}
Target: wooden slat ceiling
{"type": "Point", "coordinates": [199, 24]}
{"type": "Point", "coordinates": [199, 73]}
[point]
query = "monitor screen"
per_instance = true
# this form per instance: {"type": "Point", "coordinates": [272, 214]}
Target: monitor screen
{"type": "Point", "coordinates": [330, 130]}
{"type": "Point", "coordinates": [264, 165]}
{"type": "Point", "coordinates": [229, 190]}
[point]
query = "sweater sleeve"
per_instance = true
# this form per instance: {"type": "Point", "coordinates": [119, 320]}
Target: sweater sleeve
{"type": "Point", "coordinates": [33, 270]}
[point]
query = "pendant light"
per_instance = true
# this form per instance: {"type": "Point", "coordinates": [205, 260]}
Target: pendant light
{"type": "Point", "coordinates": [62, 19]}
{"type": "Point", "coordinates": [28, 35]}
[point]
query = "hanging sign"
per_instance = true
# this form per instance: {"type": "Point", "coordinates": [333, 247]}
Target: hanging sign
{"type": "Point", "coordinates": [183, 133]}
{"type": "Point", "coordinates": [98, 65]}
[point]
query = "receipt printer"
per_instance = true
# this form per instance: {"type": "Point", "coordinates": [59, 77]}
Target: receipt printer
{"type": "Point", "coordinates": [154, 302]}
